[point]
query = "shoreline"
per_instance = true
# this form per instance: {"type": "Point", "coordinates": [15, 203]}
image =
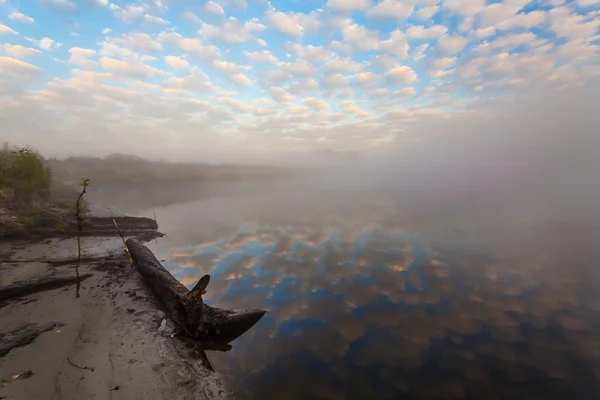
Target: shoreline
{"type": "Point", "coordinates": [105, 344]}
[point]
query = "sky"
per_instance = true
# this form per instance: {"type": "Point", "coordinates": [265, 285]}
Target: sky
{"type": "Point", "coordinates": [226, 79]}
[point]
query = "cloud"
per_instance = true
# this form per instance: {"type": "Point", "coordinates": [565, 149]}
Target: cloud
{"type": "Point", "coordinates": [189, 45]}
{"type": "Point", "coordinates": [368, 78]}
{"type": "Point", "coordinates": [397, 9]}
{"type": "Point", "coordinates": [336, 81]}
{"type": "Point", "coordinates": [348, 5]}
{"type": "Point", "coordinates": [299, 68]}
{"type": "Point", "coordinates": [232, 31]}
{"type": "Point", "coordinates": [60, 5]}
{"type": "Point", "coordinates": [402, 75]}
{"type": "Point", "coordinates": [177, 63]}
{"type": "Point", "coordinates": [235, 104]}
{"type": "Point", "coordinates": [80, 57]}
{"type": "Point", "coordinates": [18, 68]}
{"type": "Point", "coordinates": [359, 37]}
{"type": "Point", "coordinates": [284, 23]}
{"type": "Point", "coordinates": [20, 17]}
{"type": "Point", "coordinates": [465, 7]}
{"type": "Point", "coordinates": [452, 44]}
{"type": "Point", "coordinates": [264, 56]}
{"type": "Point", "coordinates": [241, 80]}
{"type": "Point", "coordinates": [396, 44]}
{"type": "Point", "coordinates": [128, 14]}
{"type": "Point", "coordinates": [137, 42]}
{"type": "Point", "coordinates": [5, 30]}
{"type": "Point", "coordinates": [341, 65]}
{"type": "Point", "coordinates": [214, 8]}
{"type": "Point", "coordinates": [155, 20]}
{"type": "Point", "coordinates": [18, 51]}
{"type": "Point", "coordinates": [316, 104]}
{"type": "Point", "coordinates": [48, 44]}
{"type": "Point", "coordinates": [130, 68]}
{"type": "Point", "coordinates": [280, 95]}
{"type": "Point", "coordinates": [421, 32]}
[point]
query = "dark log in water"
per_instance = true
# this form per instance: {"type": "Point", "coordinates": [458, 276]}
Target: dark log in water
{"type": "Point", "coordinates": [185, 307]}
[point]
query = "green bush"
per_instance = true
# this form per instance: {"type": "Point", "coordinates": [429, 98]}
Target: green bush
{"type": "Point", "coordinates": [23, 169]}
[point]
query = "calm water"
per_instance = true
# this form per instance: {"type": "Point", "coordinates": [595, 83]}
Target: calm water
{"type": "Point", "coordinates": [362, 307]}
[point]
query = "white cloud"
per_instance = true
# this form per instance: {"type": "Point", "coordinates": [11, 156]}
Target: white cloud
{"type": "Point", "coordinates": [235, 104]}
{"type": "Point", "coordinates": [18, 68]}
{"type": "Point", "coordinates": [214, 8]}
{"type": "Point", "coordinates": [155, 20]}
{"type": "Point", "coordinates": [190, 16]}
{"type": "Point", "coordinates": [465, 7]}
{"type": "Point", "coordinates": [316, 104]}
{"type": "Point", "coordinates": [241, 80]}
{"type": "Point", "coordinates": [5, 30]}
{"type": "Point", "coordinates": [402, 74]}
{"type": "Point", "coordinates": [350, 107]}
{"type": "Point", "coordinates": [18, 51]}
{"type": "Point", "coordinates": [130, 68]}
{"type": "Point", "coordinates": [452, 44]}
{"type": "Point", "coordinates": [284, 23]}
{"type": "Point", "coordinates": [138, 42]}
{"type": "Point", "coordinates": [63, 5]}
{"type": "Point", "coordinates": [232, 31]}
{"type": "Point", "coordinates": [106, 31]}
{"type": "Point", "coordinates": [304, 86]}
{"type": "Point", "coordinates": [48, 44]}
{"type": "Point", "coordinates": [280, 95]}
{"type": "Point", "coordinates": [421, 32]}
{"type": "Point", "coordinates": [396, 44]}
{"type": "Point", "coordinates": [299, 68]}
{"type": "Point", "coordinates": [348, 5]}
{"type": "Point", "coordinates": [368, 78]}
{"type": "Point", "coordinates": [335, 81]}
{"type": "Point", "coordinates": [129, 13]}
{"type": "Point", "coordinates": [229, 68]}
{"type": "Point", "coordinates": [568, 24]}
{"type": "Point", "coordinates": [485, 32]}
{"type": "Point", "coordinates": [426, 12]}
{"type": "Point", "coordinates": [360, 37]}
{"type": "Point", "coordinates": [588, 3]}
{"type": "Point", "coordinates": [80, 57]}
{"type": "Point", "coordinates": [309, 53]}
{"type": "Point", "coordinates": [261, 56]}
{"type": "Point", "coordinates": [189, 45]}
{"type": "Point", "coordinates": [176, 62]}
{"type": "Point", "coordinates": [397, 9]}
{"type": "Point", "coordinates": [20, 17]}
{"type": "Point", "coordinates": [342, 65]}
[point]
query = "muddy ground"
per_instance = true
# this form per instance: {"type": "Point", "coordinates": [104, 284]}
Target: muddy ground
{"type": "Point", "coordinates": [105, 344]}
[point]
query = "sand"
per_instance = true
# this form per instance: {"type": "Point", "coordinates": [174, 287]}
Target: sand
{"type": "Point", "coordinates": [103, 345]}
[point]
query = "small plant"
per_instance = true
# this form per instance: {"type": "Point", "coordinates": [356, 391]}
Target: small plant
{"type": "Point", "coordinates": [84, 184]}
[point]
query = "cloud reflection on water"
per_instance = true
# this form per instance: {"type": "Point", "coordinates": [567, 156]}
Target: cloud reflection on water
{"type": "Point", "coordinates": [367, 311]}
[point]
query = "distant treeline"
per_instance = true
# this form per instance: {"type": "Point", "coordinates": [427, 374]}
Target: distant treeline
{"type": "Point", "coordinates": [121, 168]}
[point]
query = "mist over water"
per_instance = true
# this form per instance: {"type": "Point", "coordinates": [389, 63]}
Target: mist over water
{"type": "Point", "coordinates": [457, 269]}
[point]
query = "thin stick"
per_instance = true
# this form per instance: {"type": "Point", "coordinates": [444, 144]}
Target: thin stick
{"type": "Point", "coordinates": [156, 222]}
{"type": "Point", "coordinates": [77, 366]}
{"type": "Point", "coordinates": [124, 244]}
{"type": "Point", "coordinates": [84, 185]}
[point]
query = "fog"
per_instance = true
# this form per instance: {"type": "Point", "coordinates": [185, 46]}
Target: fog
{"type": "Point", "coordinates": [502, 176]}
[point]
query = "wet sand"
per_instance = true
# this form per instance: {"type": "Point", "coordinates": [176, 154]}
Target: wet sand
{"type": "Point", "coordinates": [103, 345]}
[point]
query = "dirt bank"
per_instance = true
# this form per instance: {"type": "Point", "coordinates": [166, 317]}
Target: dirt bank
{"type": "Point", "coordinates": [103, 345]}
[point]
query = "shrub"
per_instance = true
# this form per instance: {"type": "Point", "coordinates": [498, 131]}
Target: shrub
{"type": "Point", "coordinates": [23, 169]}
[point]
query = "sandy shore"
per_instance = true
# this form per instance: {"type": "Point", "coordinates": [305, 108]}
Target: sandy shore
{"type": "Point", "coordinates": [103, 345]}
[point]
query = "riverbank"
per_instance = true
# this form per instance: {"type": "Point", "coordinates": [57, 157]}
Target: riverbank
{"type": "Point", "coordinates": [105, 344]}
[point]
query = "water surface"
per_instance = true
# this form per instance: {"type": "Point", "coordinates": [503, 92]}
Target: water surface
{"type": "Point", "coordinates": [363, 305]}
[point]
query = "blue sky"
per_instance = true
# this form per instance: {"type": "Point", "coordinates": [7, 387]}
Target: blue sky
{"type": "Point", "coordinates": [250, 76]}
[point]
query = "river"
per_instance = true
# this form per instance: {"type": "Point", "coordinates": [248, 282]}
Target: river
{"type": "Point", "coordinates": [365, 305]}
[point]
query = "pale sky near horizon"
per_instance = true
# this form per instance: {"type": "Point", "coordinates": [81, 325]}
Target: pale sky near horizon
{"type": "Point", "coordinates": [211, 80]}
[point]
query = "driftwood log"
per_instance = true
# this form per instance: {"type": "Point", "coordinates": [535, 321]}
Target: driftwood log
{"type": "Point", "coordinates": [186, 307]}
